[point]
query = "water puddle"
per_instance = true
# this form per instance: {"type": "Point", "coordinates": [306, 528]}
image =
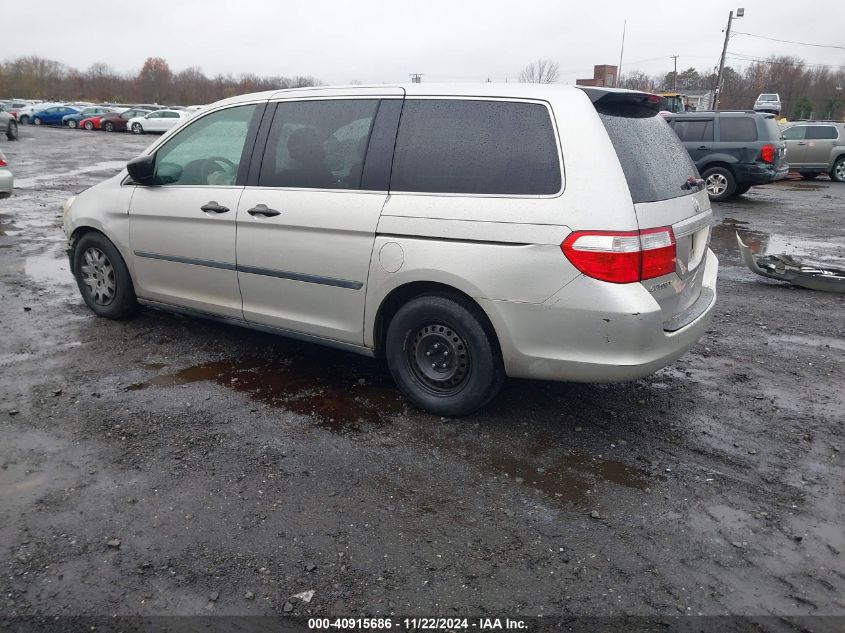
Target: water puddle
{"type": "Point", "coordinates": [108, 165]}
{"type": "Point", "coordinates": [570, 478]}
{"type": "Point", "coordinates": [305, 386]}
{"type": "Point", "coordinates": [809, 341]}
{"type": "Point", "coordinates": [48, 269]}
{"type": "Point", "coordinates": [723, 242]}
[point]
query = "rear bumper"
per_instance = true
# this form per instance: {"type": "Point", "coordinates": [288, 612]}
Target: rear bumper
{"type": "Point", "coordinates": [760, 173]}
{"type": "Point", "coordinates": [593, 331]}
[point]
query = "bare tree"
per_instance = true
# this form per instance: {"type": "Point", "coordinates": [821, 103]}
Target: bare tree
{"type": "Point", "coordinates": [542, 71]}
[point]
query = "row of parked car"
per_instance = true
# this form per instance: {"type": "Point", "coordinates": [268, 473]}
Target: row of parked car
{"type": "Point", "coordinates": [734, 151]}
{"type": "Point", "coordinates": [139, 119]}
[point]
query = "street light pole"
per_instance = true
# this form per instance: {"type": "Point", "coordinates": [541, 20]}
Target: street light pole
{"type": "Point", "coordinates": [739, 13]}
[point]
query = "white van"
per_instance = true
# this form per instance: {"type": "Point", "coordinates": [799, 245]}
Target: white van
{"type": "Point", "coordinates": [464, 233]}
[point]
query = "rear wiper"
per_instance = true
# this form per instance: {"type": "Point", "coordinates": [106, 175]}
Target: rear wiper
{"type": "Point", "coordinates": [691, 182]}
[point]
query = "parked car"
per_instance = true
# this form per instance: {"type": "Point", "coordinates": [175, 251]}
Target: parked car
{"type": "Point", "coordinates": [74, 120]}
{"type": "Point", "coordinates": [158, 121]}
{"type": "Point", "coordinates": [24, 114]}
{"type": "Point", "coordinates": [733, 151]}
{"type": "Point", "coordinates": [53, 115]}
{"type": "Point", "coordinates": [115, 121]}
{"type": "Point", "coordinates": [814, 147]}
{"type": "Point", "coordinates": [768, 102]}
{"type": "Point", "coordinates": [8, 126]}
{"type": "Point", "coordinates": [433, 226]}
{"type": "Point", "coordinates": [7, 181]}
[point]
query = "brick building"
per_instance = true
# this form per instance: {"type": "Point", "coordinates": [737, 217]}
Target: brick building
{"type": "Point", "coordinates": [604, 76]}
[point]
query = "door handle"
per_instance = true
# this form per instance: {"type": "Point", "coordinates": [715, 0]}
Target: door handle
{"type": "Point", "coordinates": [704, 147]}
{"type": "Point", "coordinates": [213, 207]}
{"type": "Point", "coordinates": [801, 143]}
{"type": "Point", "coordinates": [263, 209]}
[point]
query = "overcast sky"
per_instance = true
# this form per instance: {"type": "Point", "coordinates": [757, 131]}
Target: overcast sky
{"type": "Point", "coordinates": [377, 41]}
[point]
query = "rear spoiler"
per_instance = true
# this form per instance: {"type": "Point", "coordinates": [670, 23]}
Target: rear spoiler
{"type": "Point", "coordinates": [617, 96]}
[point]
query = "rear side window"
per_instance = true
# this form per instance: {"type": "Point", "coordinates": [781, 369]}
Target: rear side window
{"type": "Point", "coordinates": [476, 147]}
{"type": "Point", "coordinates": [318, 144]}
{"type": "Point", "coordinates": [655, 163]}
{"type": "Point", "coordinates": [821, 132]}
{"type": "Point", "coordinates": [694, 131]}
{"type": "Point", "coordinates": [737, 129]}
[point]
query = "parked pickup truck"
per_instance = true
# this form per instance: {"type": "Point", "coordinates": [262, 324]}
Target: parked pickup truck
{"type": "Point", "coordinates": [813, 147]}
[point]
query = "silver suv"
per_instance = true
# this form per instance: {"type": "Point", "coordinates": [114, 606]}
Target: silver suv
{"type": "Point", "coordinates": [433, 226]}
{"type": "Point", "coordinates": [768, 102]}
{"type": "Point", "coordinates": [814, 147]}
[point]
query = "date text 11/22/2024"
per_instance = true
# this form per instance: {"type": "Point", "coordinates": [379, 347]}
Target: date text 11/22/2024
{"type": "Point", "coordinates": [448, 624]}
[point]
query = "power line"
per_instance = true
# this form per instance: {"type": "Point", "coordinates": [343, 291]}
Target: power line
{"type": "Point", "coordinates": [774, 39]}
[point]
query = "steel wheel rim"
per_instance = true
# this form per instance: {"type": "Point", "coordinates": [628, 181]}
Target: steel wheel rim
{"type": "Point", "coordinates": [71, 124]}
{"type": "Point", "coordinates": [439, 358]}
{"type": "Point", "coordinates": [89, 126]}
{"type": "Point", "coordinates": [109, 127]}
{"type": "Point", "coordinates": [98, 276]}
{"type": "Point", "coordinates": [716, 184]}
{"type": "Point", "coordinates": [37, 121]}
{"type": "Point", "coordinates": [840, 170]}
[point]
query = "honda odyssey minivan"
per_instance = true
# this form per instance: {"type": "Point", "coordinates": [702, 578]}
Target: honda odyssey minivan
{"type": "Point", "coordinates": [462, 233]}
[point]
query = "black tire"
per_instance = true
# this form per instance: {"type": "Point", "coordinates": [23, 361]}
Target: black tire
{"type": "Point", "coordinates": [720, 183]}
{"type": "Point", "coordinates": [452, 332]}
{"type": "Point", "coordinates": [109, 126]}
{"type": "Point", "coordinates": [741, 189]}
{"type": "Point", "coordinates": [838, 171]}
{"type": "Point", "coordinates": [122, 303]}
{"type": "Point", "coordinates": [12, 131]}
{"type": "Point", "coordinates": [89, 125]}
{"type": "Point", "coordinates": [809, 175]}
{"type": "Point", "coordinates": [72, 124]}
{"type": "Point", "coordinates": [137, 128]}
{"type": "Point", "coordinates": [36, 121]}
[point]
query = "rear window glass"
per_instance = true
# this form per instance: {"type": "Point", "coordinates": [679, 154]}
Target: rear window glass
{"type": "Point", "coordinates": [655, 163]}
{"type": "Point", "coordinates": [737, 128]}
{"type": "Point", "coordinates": [821, 132]}
{"type": "Point", "coordinates": [694, 130]}
{"type": "Point", "coordinates": [476, 147]}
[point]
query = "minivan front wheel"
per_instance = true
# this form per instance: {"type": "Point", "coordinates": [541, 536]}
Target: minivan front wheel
{"type": "Point", "coordinates": [102, 277]}
{"type": "Point", "coordinates": [720, 183]}
{"type": "Point", "coordinates": [442, 355]}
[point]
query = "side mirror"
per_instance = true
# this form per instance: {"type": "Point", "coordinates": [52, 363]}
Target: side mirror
{"type": "Point", "coordinates": [142, 169]}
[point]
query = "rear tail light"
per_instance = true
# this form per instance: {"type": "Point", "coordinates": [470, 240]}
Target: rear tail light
{"type": "Point", "coordinates": [622, 257]}
{"type": "Point", "coordinates": [3, 162]}
{"type": "Point", "coordinates": [767, 153]}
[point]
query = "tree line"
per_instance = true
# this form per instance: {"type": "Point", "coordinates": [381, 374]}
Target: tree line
{"type": "Point", "coordinates": [38, 78]}
{"type": "Point", "coordinates": [806, 90]}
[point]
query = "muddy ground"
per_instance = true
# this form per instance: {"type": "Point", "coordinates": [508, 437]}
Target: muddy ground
{"type": "Point", "coordinates": [168, 465]}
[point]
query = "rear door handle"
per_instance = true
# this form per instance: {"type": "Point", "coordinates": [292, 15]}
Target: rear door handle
{"type": "Point", "coordinates": [263, 209]}
{"type": "Point", "coordinates": [213, 207]}
{"type": "Point", "coordinates": [801, 143]}
{"type": "Point", "coordinates": [704, 147]}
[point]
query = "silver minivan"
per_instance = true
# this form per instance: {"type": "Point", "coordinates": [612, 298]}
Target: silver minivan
{"type": "Point", "coordinates": [463, 233]}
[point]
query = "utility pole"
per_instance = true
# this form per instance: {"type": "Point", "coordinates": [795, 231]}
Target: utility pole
{"type": "Point", "coordinates": [739, 13]}
{"type": "Point", "coordinates": [675, 75]}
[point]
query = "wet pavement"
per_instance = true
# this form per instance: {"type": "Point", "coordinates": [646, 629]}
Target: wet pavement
{"type": "Point", "coordinates": [233, 463]}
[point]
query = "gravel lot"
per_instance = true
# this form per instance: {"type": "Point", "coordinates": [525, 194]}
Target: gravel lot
{"type": "Point", "coordinates": [167, 465]}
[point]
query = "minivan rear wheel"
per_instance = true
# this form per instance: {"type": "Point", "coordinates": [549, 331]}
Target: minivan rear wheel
{"type": "Point", "coordinates": [442, 355]}
{"type": "Point", "coordinates": [102, 277]}
{"type": "Point", "coordinates": [720, 183]}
